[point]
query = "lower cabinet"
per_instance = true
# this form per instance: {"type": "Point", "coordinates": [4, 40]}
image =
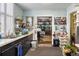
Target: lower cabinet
{"type": "Point", "coordinates": [11, 48]}
{"type": "Point", "coordinates": [9, 51]}
{"type": "Point", "coordinates": [26, 48]}
{"type": "Point", "coordinates": [0, 51]}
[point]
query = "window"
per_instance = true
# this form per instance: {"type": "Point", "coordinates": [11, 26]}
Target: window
{"type": "Point", "coordinates": [2, 17]}
{"type": "Point", "coordinates": [9, 17]}
{"type": "Point", "coordinates": [9, 9]}
{"type": "Point", "coordinates": [6, 16]}
{"type": "Point", "coordinates": [2, 7]}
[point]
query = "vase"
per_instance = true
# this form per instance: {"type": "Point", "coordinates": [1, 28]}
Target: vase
{"type": "Point", "coordinates": [68, 54]}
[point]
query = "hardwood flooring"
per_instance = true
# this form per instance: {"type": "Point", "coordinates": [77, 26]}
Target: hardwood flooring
{"type": "Point", "coordinates": [47, 39]}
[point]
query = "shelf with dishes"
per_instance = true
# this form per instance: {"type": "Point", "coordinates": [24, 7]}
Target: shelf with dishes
{"type": "Point", "coordinates": [45, 24]}
{"type": "Point", "coordinates": [23, 26]}
{"type": "Point", "coordinates": [61, 30]}
{"type": "Point", "coordinates": [63, 41]}
{"type": "Point", "coordinates": [20, 27]}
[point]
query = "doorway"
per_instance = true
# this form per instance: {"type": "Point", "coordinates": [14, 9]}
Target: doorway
{"type": "Point", "coordinates": [44, 25]}
{"type": "Point", "coordinates": [73, 26]}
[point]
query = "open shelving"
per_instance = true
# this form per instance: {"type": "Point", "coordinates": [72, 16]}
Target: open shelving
{"type": "Point", "coordinates": [45, 24]}
{"type": "Point", "coordinates": [60, 28]}
{"type": "Point", "coordinates": [18, 24]}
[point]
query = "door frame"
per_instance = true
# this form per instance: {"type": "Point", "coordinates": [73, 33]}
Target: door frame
{"type": "Point", "coordinates": [75, 31]}
{"type": "Point", "coordinates": [51, 25]}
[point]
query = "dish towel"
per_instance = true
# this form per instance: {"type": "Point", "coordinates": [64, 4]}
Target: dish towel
{"type": "Point", "coordinates": [19, 50]}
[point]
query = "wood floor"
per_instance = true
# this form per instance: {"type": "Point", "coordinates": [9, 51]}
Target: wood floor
{"type": "Point", "coordinates": [45, 48]}
{"type": "Point", "coordinates": [47, 39]}
{"type": "Point", "coordinates": [45, 51]}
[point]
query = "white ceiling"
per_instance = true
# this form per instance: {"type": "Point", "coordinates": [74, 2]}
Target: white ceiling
{"type": "Point", "coordinates": [44, 6]}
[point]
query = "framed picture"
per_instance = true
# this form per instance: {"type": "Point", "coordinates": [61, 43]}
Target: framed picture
{"type": "Point", "coordinates": [60, 28]}
{"type": "Point", "coordinates": [60, 24]}
{"type": "Point", "coordinates": [60, 20]}
{"type": "Point", "coordinates": [29, 21]}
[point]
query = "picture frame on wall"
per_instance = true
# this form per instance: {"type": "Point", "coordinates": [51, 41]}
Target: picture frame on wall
{"type": "Point", "coordinates": [29, 21]}
{"type": "Point", "coordinates": [60, 20]}
{"type": "Point", "coordinates": [60, 24]}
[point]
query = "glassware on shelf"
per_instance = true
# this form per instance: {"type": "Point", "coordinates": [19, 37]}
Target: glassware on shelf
{"type": "Point", "coordinates": [17, 25]}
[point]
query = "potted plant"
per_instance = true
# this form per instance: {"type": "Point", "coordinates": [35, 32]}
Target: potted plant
{"type": "Point", "coordinates": [73, 49]}
{"type": "Point", "coordinates": [70, 50]}
{"type": "Point", "coordinates": [67, 50]}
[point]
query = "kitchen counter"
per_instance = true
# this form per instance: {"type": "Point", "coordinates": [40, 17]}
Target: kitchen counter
{"type": "Point", "coordinates": [7, 41]}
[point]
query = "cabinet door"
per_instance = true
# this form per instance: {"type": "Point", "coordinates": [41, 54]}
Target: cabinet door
{"type": "Point", "coordinates": [30, 38]}
{"type": "Point", "coordinates": [26, 43]}
{"type": "Point", "coordinates": [26, 47]}
{"type": "Point", "coordinates": [9, 52]}
{"type": "Point", "coordinates": [0, 51]}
